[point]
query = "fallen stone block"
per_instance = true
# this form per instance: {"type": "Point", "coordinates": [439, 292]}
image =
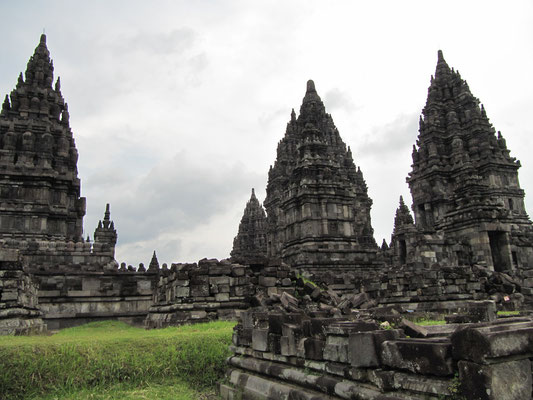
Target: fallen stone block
{"type": "Point", "coordinates": [504, 381]}
{"type": "Point", "coordinates": [412, 329]}
{"type": "Point", "coordinates": [364, 348]}
{"type": "Point", "coordinates": [479, 344]}
{"type": "Point", "coordinates": [422, 356]}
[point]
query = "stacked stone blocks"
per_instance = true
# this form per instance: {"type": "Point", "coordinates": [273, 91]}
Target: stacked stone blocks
{"type": "Point", "coordinates": [305, 356]}
{"type": "Point", "coordinates": [200, 292]}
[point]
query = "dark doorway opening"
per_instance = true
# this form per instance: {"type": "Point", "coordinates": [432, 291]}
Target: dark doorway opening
{"type": "Point", "coordinates": [499, 248]}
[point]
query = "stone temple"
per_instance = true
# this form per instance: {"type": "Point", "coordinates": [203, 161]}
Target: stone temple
{"type": "Point", "coordinates": [306, 278]}
{"type": "Point", "coordinates": [317, 202]}
{"type": "Point", "coordinates": [41, 219]}
{"type": "Point", "coordinates": [464, 182]}
{"type": "Point", "coordinates": [40, 189]}
{"type": "Point", "coordinates": [467, 203]}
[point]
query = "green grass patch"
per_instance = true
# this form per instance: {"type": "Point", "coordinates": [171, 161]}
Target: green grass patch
{"type": "Point", "coordinates": [103, 354]}
{"type": "Point", "coordinates": [508, 313]}
{"type": "Point", "coordinates": [164, 390]}
{"type": "Point", "coordinates": [429, 322]}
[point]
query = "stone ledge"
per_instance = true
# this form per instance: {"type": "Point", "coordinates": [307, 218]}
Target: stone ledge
{"type": "Point", "coordinates": [485, 344]}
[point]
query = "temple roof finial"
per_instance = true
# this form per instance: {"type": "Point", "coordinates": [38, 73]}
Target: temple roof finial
{"type": "Point", "coordinates": [43, 38]}
{"type": "Point", "coordinates": [310, 86]}
{"type": "Point", "coordinates": [154, 263]}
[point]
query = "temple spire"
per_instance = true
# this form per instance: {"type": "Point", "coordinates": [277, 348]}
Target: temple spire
{"type": "Point", "coordinates": [40, 69]}
{"type": "Point", "coordinates": [249, 246]}
{"type": "Point", "coordinates": [310, 87]}
{"type": "Point", "coordinates": [403, 216]}
{"type": "Point", "coordinates": [107, 216]}
{"type": "Point", "coordinates": [106, 232]}
{"type": "Point", "coordinates": [154, 263]}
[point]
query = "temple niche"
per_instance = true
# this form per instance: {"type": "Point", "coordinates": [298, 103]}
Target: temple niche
{"type": "Point", "coordinates": [467, 201]}
{"type": "Point", "coordinates": [318, 208]}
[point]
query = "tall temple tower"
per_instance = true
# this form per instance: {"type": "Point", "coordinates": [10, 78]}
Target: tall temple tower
{"type": "Point", "coordinates": [249, 246]}
{"type": "Point", "coordinates": [39, 185]}
{"type": "Point", "coordinates": [464, 183]}
{"type": "Point", "coordinates": [318, 209]}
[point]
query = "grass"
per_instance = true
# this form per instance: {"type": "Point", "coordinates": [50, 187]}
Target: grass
{"type": "Point", "coordinates": [430, 322]}
{"type": "Point", "coordinates": [508, 313]}
{"type": "Point", "coordinates": [122, 391]}
{"type": "Point", "coordinates": [112, 356]}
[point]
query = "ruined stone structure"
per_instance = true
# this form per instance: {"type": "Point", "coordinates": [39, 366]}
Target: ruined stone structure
{"type": "Point", "coordinates": [318, 209]}
{"type": "Point", "coordinates": [19, 308]}
{"type": "Point", "coordinates": [201, 292]}
{"type": "Point", "coordinates": [298, 355]}
{"type": "Point", "coordinates": [249, 246]}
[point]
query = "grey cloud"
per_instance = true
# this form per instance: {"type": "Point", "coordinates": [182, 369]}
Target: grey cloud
{"type": "Point", "coordinates": [336, 99]}
{"type": "Point", "coordinates": [179, 194]}
{"type": "Point", "coordinates": [388, 139]}
{"type": "Point", "coordinates": [267, 119]}
{"type": "Point", "coordinates": [159, 43]}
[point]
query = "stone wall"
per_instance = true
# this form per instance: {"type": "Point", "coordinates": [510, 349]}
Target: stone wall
{"type": "Point", "coordinates": [297, 355]}
{"type": "Point", "coordinates": [79, 282]}
{"type": "Point", "coordinates": [71, 297]}
{"type": "Point", "coordinates": [418, 286]}
{"type": "Point", "coordinates": [200, 292]}
{"type": "Point", "coordinates": [19, 308]}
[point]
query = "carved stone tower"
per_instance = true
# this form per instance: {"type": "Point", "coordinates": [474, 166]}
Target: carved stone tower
{"type": "Point", "coordinates": [404, 227]}
{"type": "Point", "coordinates": [318, 209]}
{"type": "Point", "coordinates": [106, 233]}
{"type": "Point", "coordinates": [249, 246]}
{"type": "Point", "coordinates": [464, 183]}
{"type": "Point", "coordinates": [39, 185]}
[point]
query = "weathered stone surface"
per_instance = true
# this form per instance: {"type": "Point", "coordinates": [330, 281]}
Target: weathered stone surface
{"type": "Point", "coordinates": [480, 344]}
{"type": "Point", "coordinates": [412, 329]}
{"type": "Point", "coordinates": [418, 355]}
{"type": "Point", "coordinates": [260, 339]}
{"type": "Point", "coordinates": [364, 348]}
{"type": "Point", "coordinates": [504, 381]}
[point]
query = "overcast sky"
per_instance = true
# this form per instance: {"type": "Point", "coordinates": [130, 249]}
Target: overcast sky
{"type": "Point", "coordinates": [177, 106]}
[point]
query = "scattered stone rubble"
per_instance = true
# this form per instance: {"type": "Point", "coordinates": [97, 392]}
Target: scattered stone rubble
{"type": "Point", "coordinates": [285, 351]}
